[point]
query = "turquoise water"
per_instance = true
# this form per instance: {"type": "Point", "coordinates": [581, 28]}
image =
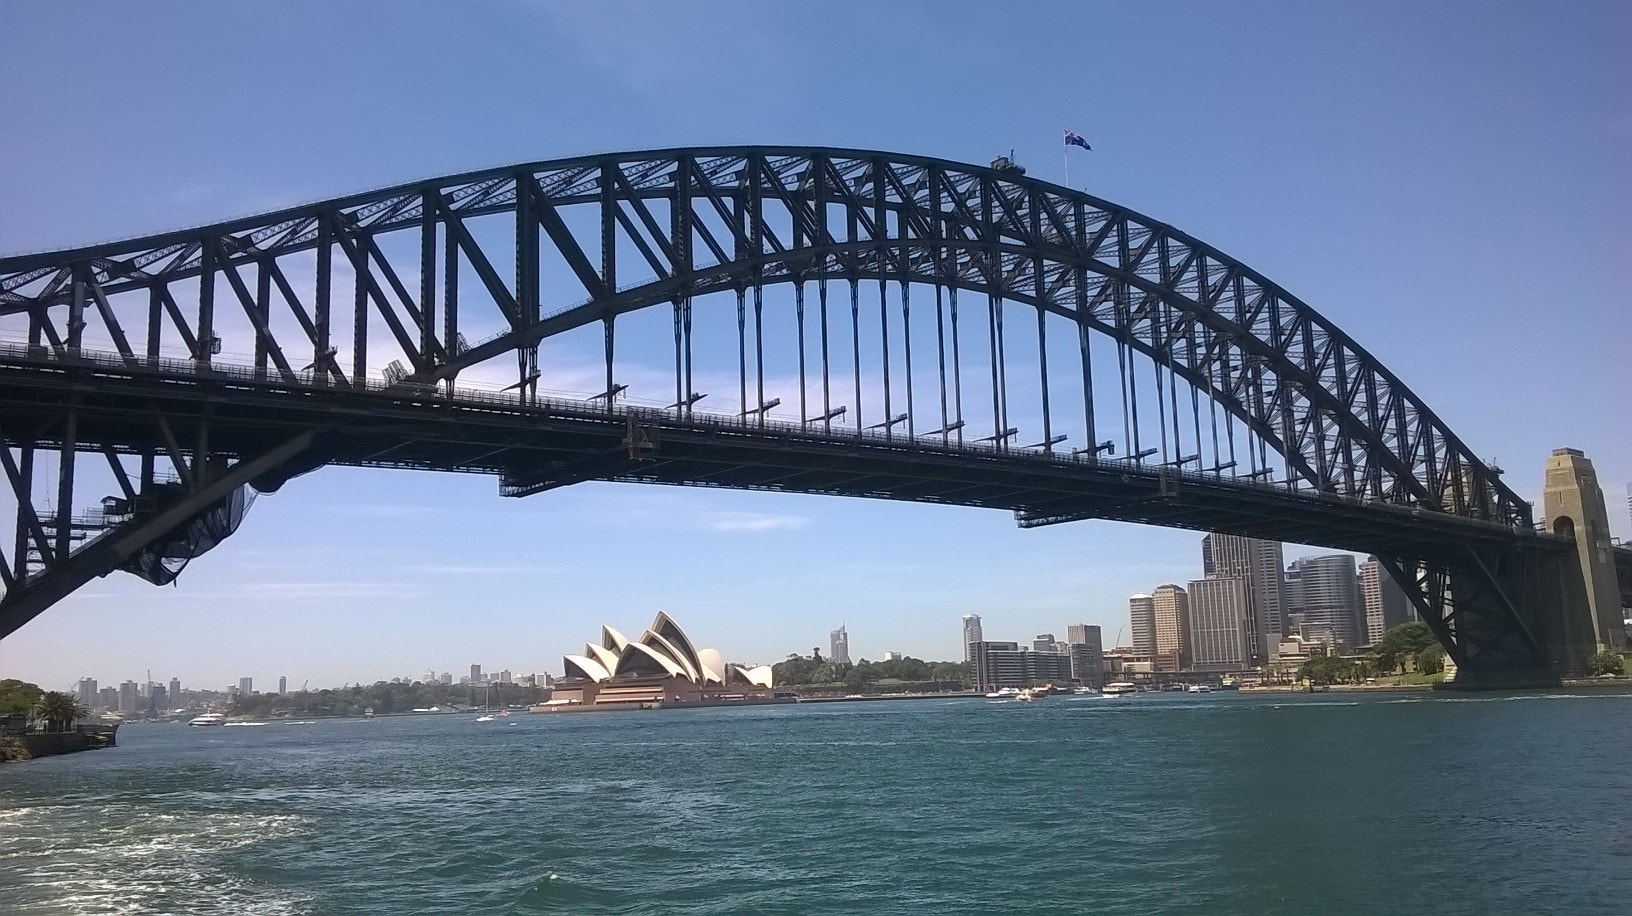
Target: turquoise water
{"type": "Point", "coordinates": [1219, 803]}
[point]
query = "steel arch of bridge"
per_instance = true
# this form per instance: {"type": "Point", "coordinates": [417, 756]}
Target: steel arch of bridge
{"type": "Point", "coordinates": [422, 268]}
{"type": "Point", "coordinates": [1343, 422]}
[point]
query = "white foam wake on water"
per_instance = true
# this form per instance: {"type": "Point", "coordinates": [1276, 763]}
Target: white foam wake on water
{"type": "Point", "coordinates": [141, 862]}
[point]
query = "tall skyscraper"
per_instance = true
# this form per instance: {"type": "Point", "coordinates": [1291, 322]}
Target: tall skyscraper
{"type": "Point", "coordinates": [1382, 600]}
{"type": "Point", "coordinates": [129, 697]}
{"type": "Point", "coordinates": [1172, 607]}
{"type": "Point", "coordinates": [1142, 624]}
{"type": "Point", "coordinates": [1329, 592]}
{"type": "Point", "coordinates": [838, 646]}
{"type": "Point", "coordinates": [1259, 563]}
{"type": "Point", "coordinates": [1086, 648]}
{"type": "Point", "coordinates": [175, 690]}
{"type": "Point", "coordinates": [971, 635]}
{"type": "Point", "coordinates": [246, 686]}
{"type": "Point", "coordinates": [1220, 632]}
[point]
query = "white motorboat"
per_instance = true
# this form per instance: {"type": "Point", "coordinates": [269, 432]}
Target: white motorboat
{"type": "Point", "coordinates": [1120, 689]}
{"type": "Point", "coordinates": [209, 718]}
{"type": "Point", "coordinates": [1004, 693]}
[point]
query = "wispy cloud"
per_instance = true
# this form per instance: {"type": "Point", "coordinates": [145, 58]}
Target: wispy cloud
{"type": "Point", "coordinates": [753, 521]}
{"type": "Point", "coordinates": [386, 512]}
{"type": "Point", "coordinates": [480, 570]}
{"type": "Point", "coordinates": [314, 590]}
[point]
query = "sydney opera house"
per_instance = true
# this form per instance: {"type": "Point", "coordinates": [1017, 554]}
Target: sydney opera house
{"type": "Point", "coordinates": [660, 669]}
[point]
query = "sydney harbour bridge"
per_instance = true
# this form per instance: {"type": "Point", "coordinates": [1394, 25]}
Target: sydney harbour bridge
{"type": "Point", "coordinates": [789, 319]}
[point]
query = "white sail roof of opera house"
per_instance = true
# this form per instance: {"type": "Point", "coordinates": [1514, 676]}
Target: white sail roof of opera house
{"type": "Point", "coordinates": [663, 649]}
{"type": "Point", "coordinates": [589, 668]}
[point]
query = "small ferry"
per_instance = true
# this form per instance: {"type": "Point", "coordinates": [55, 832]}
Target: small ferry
{"type": "Point", "coordinates": [1198, 688]}
{"type": "Point", "coordinates": [209, 718]}
{"type": "Point", "coordinates": [1004, 693]}
{"type": "Point", "coordinates": [1119, 689]}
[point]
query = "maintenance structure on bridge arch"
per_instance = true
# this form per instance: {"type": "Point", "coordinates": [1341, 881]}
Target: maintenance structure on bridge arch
{"type": "Point", "coordinates": [799, 319]}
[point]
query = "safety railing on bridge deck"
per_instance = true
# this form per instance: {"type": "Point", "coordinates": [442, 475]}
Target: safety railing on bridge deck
{"type": "Point", "coordinates": [672, 415]}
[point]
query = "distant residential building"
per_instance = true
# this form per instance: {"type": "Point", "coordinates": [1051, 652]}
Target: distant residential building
{"type": "Point", "coordinates": [1172, 607]}
{"type": "Point", "coordinates": [1142, 623]}
{"type": "Point", "coordinates": [1329, 595]}
{"type": "Point", "coordinates": [246, 686]}
{"type": "Point", "coordinates": [1221, 638]}
{"type": "Point", "coordinates": [283, 685]}
{"type": "Point", "coordinates": [1043, 642]}
{"type": "Point", "coordinates": [505, 677]}
{"type": "Point", "coordinates": [1049, 668]}
{"type": "Point", "coordinates": [446, 678]}
{"type": "Point", "coordinates": [88, 695]}
{"type": "Point", "coordinates": [175, 690]}
{"type": "Point", "coordinates": [838, 646]}
{"type": "Point", "coordinates": [1008, 664]}
{"type": "Point", "coordinates": [893, 656]}
{"type": "Point", "coordinates": [1259, 563]}
{"type": "Point", "coordinates": [475, 674]}
{"type": "Point", "coordinates": [129, 697]}
{"type": "Point", "coordinates": [971, 636]}
{"type": "Point", "coordinates": [1086, 649]}
{"type": "Point", "coordinates": [996, 664]}
{"type": "Point", "coordinates": [158, 700]}
{"type": "Point", "coordinates": [108, 698]}
{"type": "Point", "coordinates": [1382, 600]}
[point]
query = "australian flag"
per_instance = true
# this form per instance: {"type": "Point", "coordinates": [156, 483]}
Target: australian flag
{"type": "Point", "coordinates": [1072, 138]}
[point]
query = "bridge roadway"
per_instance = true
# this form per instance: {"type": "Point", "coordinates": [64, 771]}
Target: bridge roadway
{"type": "Point", "coordinates": [118, 402]}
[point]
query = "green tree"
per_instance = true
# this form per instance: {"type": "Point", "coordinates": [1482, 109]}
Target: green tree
{"type": "Point", "coordinates": [18, 698]}
{"type": "Point", "coordinates": [1606, 662]}
{"type": "Point", "coordinates": [1400, 643]}
{"type": "Point", "coordinates": [59, 710]}
{"type": "Point", "coordinates": [1431, 660]}
{"type": "Point", "coordinates": [1327, 669]}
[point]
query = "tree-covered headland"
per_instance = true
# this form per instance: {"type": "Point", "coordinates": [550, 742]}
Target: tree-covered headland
{"type": "Point", "coordinates": [383, 697]}
{"type": "Point", "coordinates": [897, 675]}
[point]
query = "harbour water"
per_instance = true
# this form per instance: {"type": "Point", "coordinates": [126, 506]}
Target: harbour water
{"type": "Point", "coordinates": [1221, 803]}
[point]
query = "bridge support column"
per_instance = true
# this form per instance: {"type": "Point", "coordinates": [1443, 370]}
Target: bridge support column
{"type": "Point", "coordinates": [1573, 506]}
{"type": "Point", "coordinates": [1510, 619]}
{"type": "Point", "coordinates": [1495, 612]}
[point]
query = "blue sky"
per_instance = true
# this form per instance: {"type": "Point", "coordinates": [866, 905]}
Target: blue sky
{"type": "Point", "coordinates": [1447, 182]}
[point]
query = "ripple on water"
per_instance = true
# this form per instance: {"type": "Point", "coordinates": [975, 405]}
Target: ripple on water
{"type": "Point", "coordinates": [1273, 804]}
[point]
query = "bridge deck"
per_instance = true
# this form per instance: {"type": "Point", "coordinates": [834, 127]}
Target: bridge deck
{"type": "Point", "coordinates": [534, 447]}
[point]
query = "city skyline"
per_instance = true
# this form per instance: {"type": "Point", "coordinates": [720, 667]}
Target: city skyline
{"type": "Point", "coordinates": [1387, 164]}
